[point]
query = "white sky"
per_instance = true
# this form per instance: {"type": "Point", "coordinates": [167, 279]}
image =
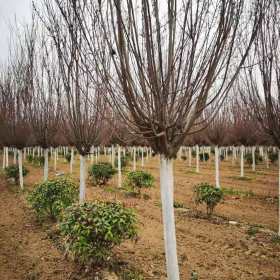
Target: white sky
{"type": "Point", "coordinates": [9, 11]}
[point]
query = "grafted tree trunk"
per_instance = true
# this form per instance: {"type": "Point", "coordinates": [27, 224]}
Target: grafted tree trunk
{"type": "Point", "coordinates": [167, 200]}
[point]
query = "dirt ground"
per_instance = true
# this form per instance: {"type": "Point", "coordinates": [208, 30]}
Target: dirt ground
{"type": "Point", "coordinates": [215, 249]}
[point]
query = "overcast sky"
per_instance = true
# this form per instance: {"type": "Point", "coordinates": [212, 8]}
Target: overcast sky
{"type": "Point", "coordinates": [9, 10]}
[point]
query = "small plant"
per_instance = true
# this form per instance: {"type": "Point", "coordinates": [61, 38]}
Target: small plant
{"type": "Point", "coordinates": [91, 230]}
{"type": "Point", "coordinates": [183, 157]}
{"type": "Point", "coordinates": [231, 191]}
{"type": "Point", "coordinates": [68, 157]}
{"type": "Point", "coordinates": [39, 160]}
{"type": "Point", "coordinates": [249, 158]}
{"type": "Point", "coordinates": [253, 230]}
{"type": "Point", "coordinates": [273, 157]}
{"type": "Point", "coordinates": [204, 156]}
{"type": "Point", "coordinates": [208, 194]}
{"type": "Point", "coordinates": [101, 173]}
{"type": "Point", "coordinates": [275, 238]}
{"type": "Point", "coordinates": [12, 171]}
{"type": "Point", "coordinates": [124, 161]}
{"type": "Point", "coordinates": [49, 198]}
{"type": "Point", "coordinates": [177, 204]}
{"type": "Point", "coordinates": [138, 180]}
{"type": "Point", "coordinates": [30, 158]}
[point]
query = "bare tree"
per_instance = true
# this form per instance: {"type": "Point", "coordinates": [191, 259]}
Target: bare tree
{"type": "Point", "coordinates": [84, 105]}
{"type": "Point", "coordinates": [260, 81]}
{"type": "Point", "coordinates": [170, 60]}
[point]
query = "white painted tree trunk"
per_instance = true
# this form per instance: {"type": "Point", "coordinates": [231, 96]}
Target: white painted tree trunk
{"type": "Point", "coordinates": [119, 168]}
{"type": "Point", "coordinates": [46, 164]}
{"type": "Point", "coordinates": [20, 169]}
{"type": "Point", "coordinates": [254, 158]}
{"type": "Point", "coordinates": [242, 161]}
{"type": "Point", "coordinates": [197, 159]}
{"type": "Point", "coordinates": [279, 192]}
{"type": "Point", "coordinates": [72, 160]}
{"type": "Point", "coordinates": [33, 152]}
{"type": "Point", "coordinates": [55, 159]}
{"type": "Point", "coordinates": [142, 155]}
{"type": "Point", "coordinates": [15, 156]}
{"type": "Point", "coordinates": [113, 156]}
{"type": "Point", "coordinates": [82, 195]}
{"type": "Point", "coordinates": [4, 158]}
{"type": "Point", "coordinates": [190, 157]}
{"type": "Point", "coordinates": [7, 156]}
{"type": "Point", "coordinates": [217, 166]}
{"type": "Point", "coordinates": [24, 153]}
{"type": "Point", "coordinates": [134, 159]}
{"type": "Point", "coordinates": [167, 193]}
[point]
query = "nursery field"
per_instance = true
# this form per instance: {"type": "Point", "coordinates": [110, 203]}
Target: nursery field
{"type": "Point", "coordinates": [238, 242]}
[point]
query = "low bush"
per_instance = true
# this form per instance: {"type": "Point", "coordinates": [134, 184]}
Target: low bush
{"type": "Point", "coordinates": [273, 157]}
{"type": "Point", "coordinates": [101, 173]}
{"type": "Point", "coordinates": [204, 157]}
{"type": "Point", "coordinates": [249, 158]}
{"type": "Point", "coordinates": [124, 161]}
{"type": "Point", "coordinates": [49, 198]}
{"type": "Point", "coordinates": [68, 157]}
{"type": "Point", "coordinates": [207, 194]}
{"type": "Point", "coordinates": [12, 171]}
{"type": "Point", "coordinates": [137, 180]}
{"type": "Point", "coordinates": [91, 230]}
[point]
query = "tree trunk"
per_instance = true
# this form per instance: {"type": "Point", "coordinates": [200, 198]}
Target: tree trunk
{"type": "Point", "coordinates": [71, 160]}
{"type": "Point", "coordinates": [4, 158]}
{"type": "Point", "coordinates": [7, 156]}
{"type": "Point", "coordinates": [279, 192]}
{"type": "Point", "coordinates": [142, 155]}
{"type": "Point", "coordinates": [82, 179]}
{"type": "Point", "coordinates": [55, 159]}
{"type": "Point", "coordinates": [167, 190]}
{"type": "Point", "coordinates": [46, 164]}
{"type": "Point", "coordinates": [15, 157]}
{"type": "Point", "coordinates": [20, 169]}
{"type": "Point", "coordinates": [113, 156]}
{"type": "Point", "coordinates": [197, 159]}
{"type": "Point", "coordinates": [134, 159]}
{"type": "Point", "coordinates": [217, 166]}
{"type": "Point", "coordinates": [190, 157]}
{"type": "Point", "coordinates": [242, 162]}
{"type": "Point", "coordinates": [254, 158]}
{"type": "Point", "coordinates": [119, 168]}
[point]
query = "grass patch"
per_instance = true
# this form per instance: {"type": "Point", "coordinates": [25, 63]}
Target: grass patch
{"type": "Point", "coordinates": [231, 191]}
{"type": "Point", "coordinates": [178, 204]}
{"type": "Point", "coordinates": [131, 275]}
{"type": "Point", "coordinates": [275, 239]}
{"type": "Point", "coordinates": [110, 189]}
{"type": "Point", "coordinates": [253, 230]}
{"type": "Point", "coordinates": [245, 178]}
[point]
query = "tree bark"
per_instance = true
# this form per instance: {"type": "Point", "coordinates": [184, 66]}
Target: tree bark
{"type": "Point", "coordinates": [82, 195]}
{"type": "Point", "coordinates": [46, 164]}
{"type": "Point", "coordinates": [167, 190]}
{"type": "Point", "coordinates": [134, 159]}
{"type": "Point", "coordinates": [242, 162]}
{"type": "Point", "coordinates": [254, 158]}
{"type": "Point", "coordinates": [197, 159]}
{"type": "Point", "coordinates": [217, 167]}
{"type": "Point", "coordinates": [20, 169]}
{"type": "Point", "coordinates": [119, 168]}
{"type": "Point", "coordinates": [190, 157]}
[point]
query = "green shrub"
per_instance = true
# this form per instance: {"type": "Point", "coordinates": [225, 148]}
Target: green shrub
{"type": "Point", "coordinates": [209, 195]}
{"type": "Point", "coordinates": [101, 173]}
{"type": "Point", "coordinates": [137, 180]}
{"type": "Point", "coordinates": [68, 157]}
{"type": "Point", "coordinates": [273, 156]}
{"type": "Point", "coordinates": [12, 171]}
{"type": "Point", "coordinates": [30, 158]}
{"type": "Point", "coordinates": [249, 158]}
{"type": "Point", "coordinates": [39, 160]}
{"type": "Point", "coordinates": [124, 161]}
{"type": "Point", "coordinates": [49, 198]}
{"type": "Point", "coordinates": [91, 230]}
{"type": "Point", "coordinates": [204, 157]}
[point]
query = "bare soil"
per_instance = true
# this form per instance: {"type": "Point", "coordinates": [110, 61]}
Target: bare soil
{"type": "Point", "coordinates": [213, 248]}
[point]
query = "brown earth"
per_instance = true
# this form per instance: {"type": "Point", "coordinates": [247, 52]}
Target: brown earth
{"type": "Point", "coordinates": [213, 248]}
